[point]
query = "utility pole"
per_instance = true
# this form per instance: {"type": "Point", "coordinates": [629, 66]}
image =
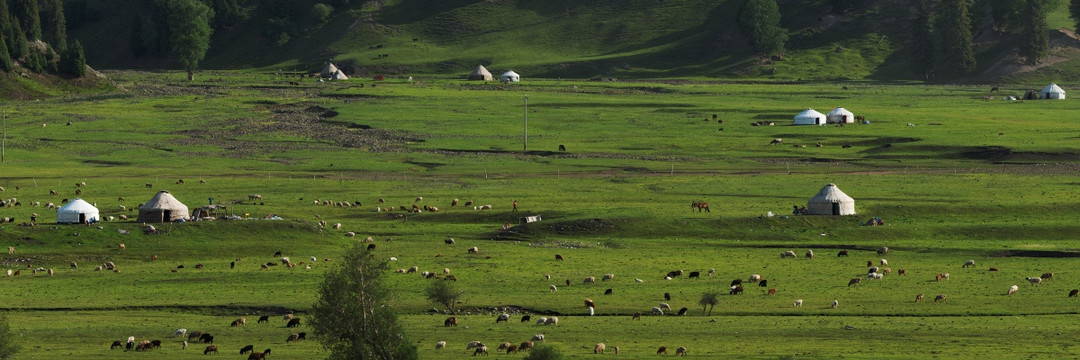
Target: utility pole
{"type": "Point", "coordinates": [3, 143]}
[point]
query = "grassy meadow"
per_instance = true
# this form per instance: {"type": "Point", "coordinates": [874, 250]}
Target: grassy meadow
{"type": "Point", "coordinates": [955, 176]}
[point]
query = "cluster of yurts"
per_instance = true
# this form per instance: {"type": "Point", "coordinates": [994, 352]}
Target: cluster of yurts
{"type": "Point", "coordinates": [481, 73]}
{"type": "Point", "coordinates": [163, 207]}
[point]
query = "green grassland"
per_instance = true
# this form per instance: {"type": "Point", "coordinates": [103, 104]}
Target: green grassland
{"type": "Point", "coordinates": [954, 175]}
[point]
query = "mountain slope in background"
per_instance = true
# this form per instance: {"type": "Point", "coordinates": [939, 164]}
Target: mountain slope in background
{"type": "Point", "coordinates": [566, 38]}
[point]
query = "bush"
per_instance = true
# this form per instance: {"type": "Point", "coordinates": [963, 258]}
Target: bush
{"type": "Point", "coordinates": [321, 13]}
{"type": "Point", "coordinates": [545, 352]}
{"type": "Point", "coordinates": [8, 348]}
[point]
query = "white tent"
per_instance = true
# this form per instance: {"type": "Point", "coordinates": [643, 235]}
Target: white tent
{"type": "Point", "coordinates": [163, 207]}
{"type": "Point", "coordinates": [510, 76]}
{"type": "Point", "coordinates": [328, 70]}
{"type": "Point", "coordinates": [810, 117]}
{"type": "Point", "coordinates": [77, 211]}
{"type": "Point", "coordinates": [480, 73]}
{"type": "Point", "coordinates": [338, 75]}
{"type": "Point", "coordinates": [831, 201]}
{"type": "Point", "coordinates": [840, 116]}
{"type": "Point", "coordinates": [1053, 91]}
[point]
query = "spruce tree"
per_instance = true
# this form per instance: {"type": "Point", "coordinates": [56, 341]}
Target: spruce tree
{"type": "Point", "coordinates": [22, 47]}
{"type": "Point", "coordinates": [1074, 10]}
{"type": "Point", "coordinates": [74, 60]}
{"type": "Point", "coordinates": [1035, 46]}
{"type": "Point", "coordinates": [55, 25]}
{"type": "Point", "coordinates": [922, 42]}
{"type": "Point", "coordinates": [954, 29]}
{"type": "Point", "coordinates": [27, 12]}
{"type": "Point", "coordinates": [5, 58]}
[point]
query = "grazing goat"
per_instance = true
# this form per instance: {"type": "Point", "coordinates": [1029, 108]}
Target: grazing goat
{"type": "Point", "coordinates": [736, 282]}
{"type": "Point", "coordinates": [210, 349]}
{"type": "Point", "coordinates": [884, 262]}
{"type": "Point", "coordinates": [116, 344]}
{"type": "Point", "coordinates": [755, 278]}
{"type": "Point", "coordinates": [772, 291]}
{"type": "Point", "coordinates": [473, 344]}
{"type": "Point", "coordinates": [558, 257]}
{"type": "Point", "coordinates": [598, 348]}
{"type": "Point", "coordinates": [589, 303]}
{"type": "Point", "coordinates": [608, 291]}
{"type": "Point", "coordinates": [835, 304]}
{"type": "Point", "coordinates": [607, 277]}
{"type": "Point", "coordinates": [693, 275]}
{"type": "Point", "coordinates": [537, 337]}
{"type": "Point", "coordinates": [657, 311]}
{"type": "Point", "coordinates": [683, 311]}
{"type": "Point", "coordinates": [970, 263]}
{"type": "Point", "coordinates": [736, 290]}
{"type": "Point", "coordinates": [637, 316]}
{"type": "Point", "coordinates": [511, 349]}
{"type": "Point", "coordinates": [777, 141]}
{"type": "Point", "coordinates": [207, 338]}
{"type": "Point", "coordinates": [292, 337]}
{"type": "Point", "coordinates": [590, 280]}
{"type": "Point", "coordinates": [255, 355]}
{"type": "Point", "coordinates": [667, 296]}
{"type": "Point", "coordinates": [809, 254]}
{"type": "Point", "coordinates": [553, 288]}
{"type": "Point", "coordinates": [554, 320]}
{"type": "Point", "coordinates": [763, 283]}
{"type": "Point", "coordinates": [474, 250]}
{"type": "Point", "coordinates": [526, 345]}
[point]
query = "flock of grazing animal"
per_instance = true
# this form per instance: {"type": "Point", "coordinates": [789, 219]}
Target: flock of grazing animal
{"type": "Point", "coordinates": [206, 338]}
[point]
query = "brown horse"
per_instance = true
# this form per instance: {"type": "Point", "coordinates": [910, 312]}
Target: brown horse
{"type": "Point", "coordinates": [700, 206]}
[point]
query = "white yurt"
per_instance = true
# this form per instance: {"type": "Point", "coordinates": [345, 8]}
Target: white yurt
{"type": "Point", "coordinates": [163, 207]}
{"type": "Point", "coordinates": [810, 117]}
{"type": "Point", "coordinates": [510, 76]}
{"type": "Point", "coordinates": [1053, 92]}
{"type": "Point", "coordinates": [78, 211]}
{"type": "Point", "coordinates": [480, 73]}
{"type": "Point", "coordinates": [338, 75]}
{"type": "Point", "coordinates": [831, 201]}
{"type": "Point", "coordinates": [840, 116]}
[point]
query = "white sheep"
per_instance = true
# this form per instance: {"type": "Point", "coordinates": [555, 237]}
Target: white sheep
{"type": "Point", "coordinates": [592, 311]}
{"type": "Point", "coordinates": [657, 311]}
{"type": "Point", "coordinates": [440, 345]}
{"type": "Point", "coordinates": [1035, 280]}
{"type": "Point", "coordinates": [665, 306]}
{"type": "Point", "coordinates": [788, 253]}
{"type": "Point", "coordinates": [337, 225]}
{"type": "Point", "coordinates": [538, 337]}
{"type": "Point", "coordinates": [809, 254]}
{"type": "Point", "coordinates": [552, 321]}
{"type": "Point", "coordinates": [314, 259]}
{"type": "Point", "coordinates": [639, 280]}
{"type": "Point", "coordinates": [180, 333]}
{"type": "Point", "coordinates": [755, 278]}
{"type": "Point", "coordinates": [798, 302]}
{"type": "Point", "coordinates": [884, 262]}
{"type": "Point", "coordinates": [712, 271]}
{"type": "Point", "coordinates": [607, 277]}
{"type": "Point", "coordinates": [412, 269]}
{"type": "Point", "coordinates": [553, 288]}
{"type": "Point", "coordinates": [835, 304]}
{"type": "Point", "coordinates": [1012, 290]}
{"type": "Point", "coordinates": [875, 276]}
{"type": "Point", "coordinates": [969, 263]}
{"type": "Point", "coordinates": [541, 321]}
{"type": "Point", "coordinates": [589, 280]}
{"type": "Point", "coordinates": [393, 258]}
{"type": "Point", "coordinates": [446, 271]}
{"type": "Point", "coordinates": [350, 234]}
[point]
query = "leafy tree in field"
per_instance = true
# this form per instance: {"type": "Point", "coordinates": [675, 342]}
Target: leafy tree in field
{"type": "Point", "coordinates": [26, 11]}
{"type": "Point", "coordinates": [352, 317]}
{"type": "Point", "coordinates": [444, 293]}
{"type": "Point", "coordinates": [1036, 44]}
{"type": "Point", "coordinates": [708, 300]}
{"type": "Point", "coordinates": [322, 13]}
{"type": "Point", "coordinates": [8, 347]}
{"type": "Point", "coordinates": [1074, 11]}
{"type": "Point", "coordinates": [759, 20]}
{"type": "Point", "coordinates": [545, 352]}
{"type": "Point", "coordinates": [954, 29]}
{"type": "Point", "coordinates": [55, 27]}
{"type": "Point", "coordinates": [922, 42]}
{"type": "Point", "coordinates": [5, 58]}
{"type": "Point", "coordinates": [189, 27]}
{"type": "Point", "coordinates": [75, 61]}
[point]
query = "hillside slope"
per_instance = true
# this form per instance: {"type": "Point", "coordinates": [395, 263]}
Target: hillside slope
{"type": "Point", "coordinates": [561, 38]}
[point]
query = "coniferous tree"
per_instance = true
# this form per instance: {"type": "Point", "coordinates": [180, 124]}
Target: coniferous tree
{"type": "Point", "coordinates": [922, 42]}
{"type": "Point", "coordinates": [1036, 44]}
{"type": "Point", "coordinates": [5, 28]}
{"type": "Point", "coordinates": [954, 28]}
{"type": "Point", "coordinates": [74, 60]}
{"type": "Point", "coordinates": [1074, 10]}
{"type": "Point", "coordinates": [22, 47]}
{"type": "Point", "coordinates": [27, 12]}
{"type": "Point", "coordinates": [55, 25]}
{"type": "Point", "coordinates": [5, 58]}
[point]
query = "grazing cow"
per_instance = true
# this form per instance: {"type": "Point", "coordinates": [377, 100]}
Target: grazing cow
{"type": "Point", "coordinates": [207, 338]}
{"type": "Point", "coordinates": [210, 349]}
{"type": "Point", "coordinates": [657, 311]}
{"type": "Point", "coordinates": [472, 250]}
{"type": "Point", "coordinates": [525, 318]}
{"type": "Point", "coordinates": [661, 350]}
{"type": "Point", "coordinates": [247, 349]}
{"type": "Point", "coordinates": [777, 141]}
{"type": "Point", "coordinates": [755, 278]}
{"type": "Point", "coordinates": [994, 269]}
{"type": "Point", "coordinates": [607, 277]}
{"type": "Point", "coordinates": [562, 148]}
{"type": "Point", "coordinates": [450, 321]}
{"type": "Point", "coordinates": [526, 345]}
{"type": "Point", "coordinates": [884, 262]}
{"type": "Point", "coordinates": [970, 263]}
{"type": "Point", "coordinates": [842, 253]}
{"type": "Point", "coordinates": [511, 349]}
{"type": "Point", "coordinates": [553, 288]}
{"type": "Point", "coordinates": [667, 296]}
{"type": "Point", "coordinates": [554, 320]}
{"type": "Point", "coordinates": [835, 304]}
{"type": "Point", "coordinates": [295, 322]}
{"type": "Point", "coordinates": [194, 335]}
{"type": "Point", "coordinates": [589, 280]}
{"type": "Point", "coordinates": [994, 89]}
{"type": "Point", "coordinates": [1074, 292]}
{"type": "Point", "coordinates": [700, 206]}
{"type": "Point", "coordinates": [673, 274]}
{"type": "Point", "coordinates": [255, 355]}
{"type": "Point", "coordinates": [180, 333]}
{"type": "Point", "coordinates": [940, 297]}
{"type": "Point", "coordinates": [599, 348]}
{"type": "Point", "coordinates": [901, 272]}
{"type": "Point", "coordinates": [239, 322]}
{"type": "Point", "coordinates": [681, 351]}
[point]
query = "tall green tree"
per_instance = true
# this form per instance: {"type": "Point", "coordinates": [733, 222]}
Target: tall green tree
{"type": "Point", "coordinates": [55, 25]}
{"type": "Point", "coordinates": [27, 12]}
{"type": "Point", "coordinates": [759, 21]}
{"type": "Point", "coordinates": [352, 315]}
{"type": "Point", "coordinates": [5, 58]}
{"type": "Point", "coordinates": [444, 293]}
{"type": "Point", "coordinates": [708, 301]}
{"type": "Point", "coordinates": [8, 345]}
{"type": "Point", "coordinates": [189, 27]}
{"type": "Point", "coordinates": [1074, 11]}
{"type": "Point", "coordinates": [953, 26]}
{"type": "Point", "coordinates": [22, 47]}
{"type": "Point", "coordinates": [74, 60]}
{"type": "Point", "coordinates": [1036, 45]}
{"type": "Point", "coordinates": [922, 42]}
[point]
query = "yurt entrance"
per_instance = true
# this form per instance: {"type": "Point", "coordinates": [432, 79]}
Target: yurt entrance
{"type": "Point", "coordinates": [166, 214]}
{"type": "Point", "coordinates": [836, 208]}
{"type": "Point", "coordinates": [82, 218]}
